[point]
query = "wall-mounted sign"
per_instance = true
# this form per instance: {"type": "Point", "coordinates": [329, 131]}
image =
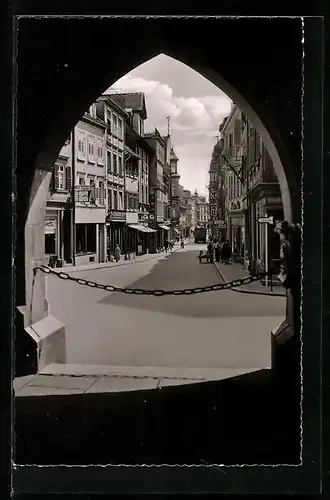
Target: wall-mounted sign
{"type": "Point", "coordinates": [146, 217]}
{"type": "Point", "coordinates": [50, 225]}
{"type": "Point", "coordinates": [116, 215]}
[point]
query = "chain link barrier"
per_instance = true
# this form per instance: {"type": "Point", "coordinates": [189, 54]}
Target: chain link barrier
{"type": "Point", "coordinates": [157, 293]}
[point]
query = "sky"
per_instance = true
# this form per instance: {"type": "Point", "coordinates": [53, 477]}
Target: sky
{"type": "Point", "coordinates": [196, 108]}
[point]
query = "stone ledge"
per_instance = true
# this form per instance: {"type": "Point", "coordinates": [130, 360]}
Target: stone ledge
{"type": "Point", "coordinates": [49, 337]}
{"type": "Point", "coordinates": [52, 385]}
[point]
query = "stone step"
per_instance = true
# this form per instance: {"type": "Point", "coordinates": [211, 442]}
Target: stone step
{"type": "Point", "coordinates": [157, 372]}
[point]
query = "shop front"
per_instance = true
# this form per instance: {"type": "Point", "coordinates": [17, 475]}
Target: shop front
{"type": "Point", "coordinates": [89, 235]}
{"type": "Point", "coordinates": [237, 236]}
{"type": "Point", "coordinates": [52, 237]}
{"type": "Point", "coordinates": [147, 234]}
{"type": "Point", "coordinates": [116, 234]}
{"type": "Point", "coordinates": [163, 229]}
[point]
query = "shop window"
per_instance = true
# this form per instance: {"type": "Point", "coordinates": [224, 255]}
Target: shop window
{"type": "Point", "coordinates": [85, 238]}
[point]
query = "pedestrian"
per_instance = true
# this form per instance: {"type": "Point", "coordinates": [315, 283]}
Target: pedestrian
{"type": "Point", "coordinates": [226, 252]}
{"type": "Point", "coordinates": [217, 250]}
{"type": "Point", "coordinates": [166, 245]}
{"type": "Point", "coordinates": [117, 253]}
{"type": "Point", "coordinates": [210, 250]}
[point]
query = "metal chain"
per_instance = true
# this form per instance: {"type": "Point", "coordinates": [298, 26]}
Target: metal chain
{"type": "Point", "coordinates": [157, 293]}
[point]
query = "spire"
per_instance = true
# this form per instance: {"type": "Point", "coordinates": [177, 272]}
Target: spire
{"type": "Point", "coordinates": [168, 125]}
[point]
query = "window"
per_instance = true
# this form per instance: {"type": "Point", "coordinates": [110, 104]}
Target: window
{"type": "Point", "coordinates": [114, 163]}
{"type": "Point", "coordinates": [50, 243]}
{"type": "Point", "coordinates": [109, 161]}
{"type": "Point", "coordinates": [114, 125]}
{"type": "Point", "coordinates": [115, 200]}
{"type": "Point", "coordinates": [109, 199]}
{"type": "Point", "coordinates": [120, 165]}
{"type": "Point", "coordinates": [120, 201]}
{"type": "Point", "coordinates": [120, 128]}
{"type": "Point", "coordinates": [85, 238]}
{"type": "Point", "coordinates": [100, 153]}
{"type": "Point", "coordinates": [91, 149]}
{"type": "Point", "coordinates": [81, 181]}
{"type": "Point", "coordinates": [81, 151]}
{"type": "Point", "coordinates": [101, 193]}
{"type": "Point", "coordinates": [61, 184]}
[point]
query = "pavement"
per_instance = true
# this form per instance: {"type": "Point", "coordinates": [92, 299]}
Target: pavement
{"type": "Point", "coordinates": [235, 270]}
{"type": "Point", "coordinates": [125, 342]}
{"type": "Point", "coordinates": [100, 265]}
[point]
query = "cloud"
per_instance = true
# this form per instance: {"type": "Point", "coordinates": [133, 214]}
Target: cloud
{"type": "Point", "coordinates": [194, 123]}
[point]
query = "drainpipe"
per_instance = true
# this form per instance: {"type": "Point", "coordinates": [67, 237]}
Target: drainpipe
{"type": "Point", "coordinates": [73, 174]}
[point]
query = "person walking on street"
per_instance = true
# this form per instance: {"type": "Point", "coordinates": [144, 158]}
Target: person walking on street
{"type": "Point", "coordinates": [210, 250]}
{"type": "Point", "coordinates": [117, 253]}
{"type": "Point", "coordinates": [166, 245]}
{"type": "Point", "coordinates": [217, 250]}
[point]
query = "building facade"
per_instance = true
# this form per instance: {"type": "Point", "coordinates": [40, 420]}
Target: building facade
{"type": "Point", "coordinates": [217, 175]}
{"type": "Point", "coordinates": [89, 173]}
{"type": "Point", "coordinates": [158, 187]}
{"type": "Point", "coordinates": [177, 205]}
{"type": "Point", "coordinates": [234, 192]}
{"type": "Point", "coordinates": [140, 236]}
{"type": "Point", "coordinates": [59, 218]}
{"type": "Point", "coordinates": [251, 191]}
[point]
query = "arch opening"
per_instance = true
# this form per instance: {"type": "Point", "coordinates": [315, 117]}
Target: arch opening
{"type": "Point", "coordinates": [34, 237]}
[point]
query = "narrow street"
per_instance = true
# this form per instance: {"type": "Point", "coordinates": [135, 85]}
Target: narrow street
{"type": "Point", "coordinates": [222, 329]}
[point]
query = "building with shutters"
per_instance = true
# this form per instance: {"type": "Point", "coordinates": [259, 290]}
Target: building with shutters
{"type": "Point", "coordinates": [251, 191]}
{"type": "Point", "coordinates": [89, 174]}
{"type": "Point", "coordinates": [230, 130]}
{"type": "Point", "coordinates": [114, 116]}
{"type": "Point", "coordinates": [139, 236]}
{"type": "Point", "coordinates": [262, 199]}
{"type": "Point", "coordinates": [59, 220]}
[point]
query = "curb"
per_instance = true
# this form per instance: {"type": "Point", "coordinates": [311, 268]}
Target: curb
{"type": "Point", "coordinates": [250, 292]}
{"type": "Point", "coordinates": [108, 265]}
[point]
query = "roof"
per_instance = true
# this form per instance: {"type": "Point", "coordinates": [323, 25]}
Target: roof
{"type": "Point", "coordinates": [132, 100]}
{"type": "Point", "coordinates": [173, 155]}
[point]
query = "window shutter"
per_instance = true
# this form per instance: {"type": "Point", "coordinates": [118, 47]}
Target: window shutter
{"type": "Point", "coordinates": [68, 179]}
{"type": "Point", "coordinates": [83, 146]}
{"type": "Point", "coordinates": [252, 144]}
{"type": "Point", "coordinates": [56, 177]}
{"type": "Point", "coordinates": [257, 152]}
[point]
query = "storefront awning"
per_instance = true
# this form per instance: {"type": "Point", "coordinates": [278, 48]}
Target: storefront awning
{"type": "Point", "coordinates": [162, 226]}
{"type": "Point", "coordinates": [150, 230]}
{"type": "Point", "coordinates": [139, 227]}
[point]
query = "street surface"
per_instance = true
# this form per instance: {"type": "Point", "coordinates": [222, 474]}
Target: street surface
{"type": "Point", "coordinates": [223, 329]}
